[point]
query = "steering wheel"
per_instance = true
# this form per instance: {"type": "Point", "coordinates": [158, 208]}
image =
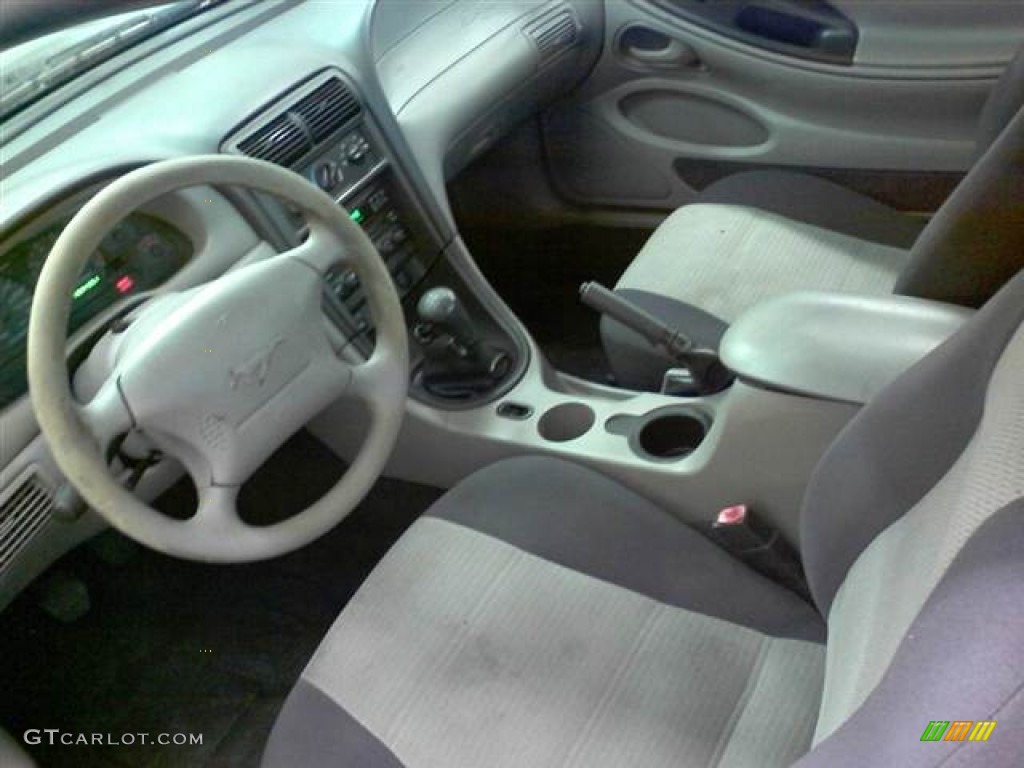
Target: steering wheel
{"type": "Point", "coordinates": [219, 376]}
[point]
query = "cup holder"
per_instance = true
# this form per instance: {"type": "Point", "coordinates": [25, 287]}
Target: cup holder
{"type": "Point", "coordinates": [669, 434]}
{"type": "Point", "coordinates": [566, 422]}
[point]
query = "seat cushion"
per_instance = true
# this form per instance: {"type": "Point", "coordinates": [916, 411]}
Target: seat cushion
{"type": "Point", "coordinates": [816, 201]}
{"type": "Point", "coordinates": [573, 516]}
{"type": "Point", "coordinates": [725, 259]}
{"type": "Point", "coordinates": [544, 615]}
{"type": "Point", "coordinates": [706, 264]}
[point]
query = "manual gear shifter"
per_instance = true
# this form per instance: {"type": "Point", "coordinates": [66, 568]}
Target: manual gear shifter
{"type": "Point", "coordinates": [458, 363]}
{"type": "Point", "coordinates": [440, 307]}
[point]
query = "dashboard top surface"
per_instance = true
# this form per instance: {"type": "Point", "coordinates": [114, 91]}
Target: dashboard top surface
{"type": "Point", "coordinates": [181, 100]}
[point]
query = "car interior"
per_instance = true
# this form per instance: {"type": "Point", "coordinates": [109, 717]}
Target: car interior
{"type": "Point", "coordinates": [512, 383]}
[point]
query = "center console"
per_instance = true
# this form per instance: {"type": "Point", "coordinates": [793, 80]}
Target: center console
{"type": "Point", "coordinates": [322, 131]}
{"type": "Point", "coordinates": [474, 398]}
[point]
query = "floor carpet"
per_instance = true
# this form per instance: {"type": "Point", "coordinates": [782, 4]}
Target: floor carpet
{"type": "Point", "coordinates": [171, 646]}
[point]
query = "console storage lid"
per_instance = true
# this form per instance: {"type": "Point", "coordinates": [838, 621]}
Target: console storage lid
{"type": "Point", "coordinates": [835, 346]}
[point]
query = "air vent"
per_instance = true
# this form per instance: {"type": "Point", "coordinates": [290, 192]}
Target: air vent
{"type": "Point", "coordinates": [554, 32]}
{"type": "Point", "coordinates": [280, 141]}
{"type": "Point", "coordinates": [303, 124]}
{"type": "Point", "coordinates": [22, 515]}
{"type": "Point", "coordinates": [326, 109]}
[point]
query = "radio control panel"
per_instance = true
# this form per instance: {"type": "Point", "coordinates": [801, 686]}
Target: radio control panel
{"type": "Point", "coordinates": [321, 131]}
{"type": "Point", "coordinates": [378, 211]}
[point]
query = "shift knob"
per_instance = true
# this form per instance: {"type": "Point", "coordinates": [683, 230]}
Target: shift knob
{"type": "Point", "coordinates": [441, 307]}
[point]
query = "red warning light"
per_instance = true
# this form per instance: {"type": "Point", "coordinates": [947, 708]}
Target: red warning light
{"type": "Point", "coordinates": [124, 284]}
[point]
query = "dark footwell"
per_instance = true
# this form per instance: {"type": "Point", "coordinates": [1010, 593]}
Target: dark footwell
{"type": "Point", "coordinates": [171, 646]}
{"type": "Point", "coordinates": [538, 273]}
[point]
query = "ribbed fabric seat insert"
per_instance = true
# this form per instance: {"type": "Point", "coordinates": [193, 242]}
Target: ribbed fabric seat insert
{"type": "Point", "coordinates": [462, 650]}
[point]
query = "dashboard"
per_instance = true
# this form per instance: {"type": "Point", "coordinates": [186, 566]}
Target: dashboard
{"type": "Point", "coordinates": [377, 102]}
{"type": "Point", "coordinates": [320, 130]}
{"type": "Point", "coordinates": [139, 254]}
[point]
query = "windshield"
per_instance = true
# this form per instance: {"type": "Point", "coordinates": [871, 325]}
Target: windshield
{"type": "Point", "coordinates": [34, 68]}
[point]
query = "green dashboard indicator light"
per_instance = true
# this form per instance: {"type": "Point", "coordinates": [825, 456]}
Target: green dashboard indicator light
{"type": "Point", "coordinates": [357, 215]}
{"type": "Point", "coordinates": [87, 286]}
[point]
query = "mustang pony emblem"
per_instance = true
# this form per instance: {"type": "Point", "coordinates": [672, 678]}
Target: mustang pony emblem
{"type": "Point", "coordinates": [253, 372]}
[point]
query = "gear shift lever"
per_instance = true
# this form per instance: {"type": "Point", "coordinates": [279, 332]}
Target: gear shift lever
{"type": "Point", "coordinates": [441, 308]}
{"type": "Point", "coordinates": [458, 363]}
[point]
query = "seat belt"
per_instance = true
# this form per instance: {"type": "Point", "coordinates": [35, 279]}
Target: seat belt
{"type": "Point", "coordinates": [742, 534]}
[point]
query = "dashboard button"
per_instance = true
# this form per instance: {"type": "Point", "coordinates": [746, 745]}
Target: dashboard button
{"type": "Point", "coordinates": [378, 200]}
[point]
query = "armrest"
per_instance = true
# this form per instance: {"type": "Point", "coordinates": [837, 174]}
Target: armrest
{"type": "Point", "coordinates": [835, 346]}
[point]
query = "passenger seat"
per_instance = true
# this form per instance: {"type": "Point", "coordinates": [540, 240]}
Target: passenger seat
{"type": "Point", "coordinates": [755, 235]}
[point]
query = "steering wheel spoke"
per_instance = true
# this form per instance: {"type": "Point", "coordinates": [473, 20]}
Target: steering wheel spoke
{"type": "Point", "coordinates": [106, 415]}
{"type": "Point", "coordinates": [323, 249]}
{"type": "Point", "coordinates": [217, 510]}
{"type": "Point", "coordinates": [375, 380]}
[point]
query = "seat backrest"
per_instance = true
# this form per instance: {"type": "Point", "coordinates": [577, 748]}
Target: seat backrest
{"type": "Point", "coordinates": [975, 241]}
{"type": "Point", "coordinates": [913, 539]}
{"type": "Point", "coordinates": [1003, 102]}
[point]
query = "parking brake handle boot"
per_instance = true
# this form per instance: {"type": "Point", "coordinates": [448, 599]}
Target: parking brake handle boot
{"type": "Point", "coordinates": [708, 373]}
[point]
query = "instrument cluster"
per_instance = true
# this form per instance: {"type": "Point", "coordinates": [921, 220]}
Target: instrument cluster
{"type": "Point", "coordinates": [139, 254]}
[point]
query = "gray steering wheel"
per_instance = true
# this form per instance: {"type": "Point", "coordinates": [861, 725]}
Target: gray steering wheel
{"type": "Point", "coordinates": [219, 376]}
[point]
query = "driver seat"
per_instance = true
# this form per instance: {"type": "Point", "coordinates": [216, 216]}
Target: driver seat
{"type": "Point", "coordinates": [541, 614]}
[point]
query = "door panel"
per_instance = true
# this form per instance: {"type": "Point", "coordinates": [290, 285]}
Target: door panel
{"type": "Point", "coordinates": [807, 29]}
{"type": "Point", "coordinates": [935, 33]}
{"type": "Point", "coordinates": [673, 103]}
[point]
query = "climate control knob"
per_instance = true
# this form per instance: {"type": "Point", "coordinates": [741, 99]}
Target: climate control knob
{"type": "Point", "coordinates": [327, 175]}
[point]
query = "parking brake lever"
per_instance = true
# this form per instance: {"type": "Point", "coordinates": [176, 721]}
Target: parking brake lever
{"type": "Point", "coordinates": [599, 298]}
{"type": "Point", "coordinates": [708, 373]}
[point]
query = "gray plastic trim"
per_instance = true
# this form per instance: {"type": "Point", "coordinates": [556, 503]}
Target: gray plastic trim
{"type": "Point", "coordinates": [743, 458]}
{"type": "Point", "coordinates": [937, 39]}
{"type": "Point", "coordinates": [920, 115]}
{"type": "Point", "coordinates": [789, 138]}
{"type": "Point", "coordinates": [430, 46]}
{"type": "Point", "coordinates": [462, 77]}
{"type": "Point", "coordinates": [935, 33]}
{"type": "Point", "coordinates": [839, 347]}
